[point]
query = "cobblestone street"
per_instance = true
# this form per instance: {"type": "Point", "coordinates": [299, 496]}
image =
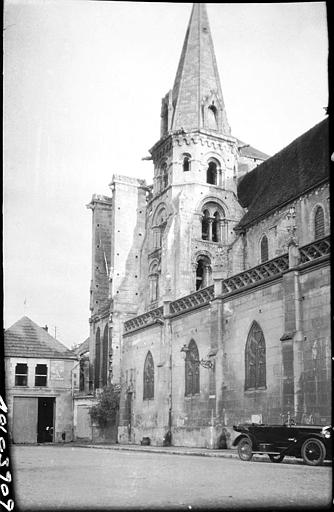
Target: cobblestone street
{"type": "Point", "coordinates": [67, 477]}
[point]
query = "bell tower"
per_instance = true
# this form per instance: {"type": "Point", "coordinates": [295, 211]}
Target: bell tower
{"type": "Point", "coordinates": [193, 208]}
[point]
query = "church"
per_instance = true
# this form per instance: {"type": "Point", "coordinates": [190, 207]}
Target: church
{"type": "Point", "coordinates": [210, 289]}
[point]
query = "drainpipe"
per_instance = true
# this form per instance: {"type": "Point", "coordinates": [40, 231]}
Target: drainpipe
{"type": "Point", "coordinates": [294, 259]}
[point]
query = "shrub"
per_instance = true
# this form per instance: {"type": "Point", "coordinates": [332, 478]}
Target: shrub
{"type": "Point", "coordinates": [105, 411]}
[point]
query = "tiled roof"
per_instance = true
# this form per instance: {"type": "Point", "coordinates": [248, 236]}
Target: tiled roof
{"type": "Point", "coordinates": [299, 167]}
{"type": "Point", "coordinates": [27, 339]}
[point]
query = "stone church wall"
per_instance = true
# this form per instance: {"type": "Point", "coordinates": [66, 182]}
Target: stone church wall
{"type": "Point", "coordinates": [275, 226]}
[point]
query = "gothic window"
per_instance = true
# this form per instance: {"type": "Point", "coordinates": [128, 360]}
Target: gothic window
{"type": "Point", "coordinates": [21, 374]}
{"type": "Point", "coordinates": [105, 357]}
{"type": "Point", "coordinates": [211, 173]}
{"type": "Point", "coordinates": [186, 163]}
{"type": "Point", "coordinates": [154, 282]}
{"type": "Point", "coordinates": [255, 359]}
{"type": "Point", "coordinates": [264, 249]}
{"type": "Point", "coordinates": [203, 272]}
{"type": "Point", "coordinates": [319, 223]}
{"type": "Point", "coordinates": [41, 375]}
{"type": "Point", "coordinates": [148, 377]}
{"type": "Point", "coordinates": [192, 370]}
{"type": "Point", "coordinates": [97, 358]}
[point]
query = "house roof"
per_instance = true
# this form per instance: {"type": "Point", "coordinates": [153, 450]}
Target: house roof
{"type": "Point", "coordinates": [27, 339]}
{"type": "Point", "coordinates": [301, 166]}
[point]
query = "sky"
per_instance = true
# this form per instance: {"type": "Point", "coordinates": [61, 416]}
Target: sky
{"type": "Point", "coordinates": [83, 82]}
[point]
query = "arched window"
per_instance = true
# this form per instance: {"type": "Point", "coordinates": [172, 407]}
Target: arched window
{"type": "Point", "coordinates": [319, 223]}
{"type": "Point", "coordinates": [203, 272]}
{"type": "Point", "coordinates": [97, 358]}
{"type": "Point", "coordinates": [148, 377]}
{"type": "Point", "coordinates": [105, 357]}
{"type": "Point", "coordinates": [211, 173]}
{"type": "Point", "coordinates": [154, 282]}
{"type": "Point", "coordinates": [192, 370]}
{"type": "Point", "coordinates": [264, 249]}
{"type": "Point", "coordinates": [255, 358]}
{"type": "Point", "coordinates": [186, 163]}
{"type": "Point", "coordinates": [213, 222]}
{"type": "Point", "coordinates": [205, 225]}
{"type": "Point", "coordinates": [212, 117]}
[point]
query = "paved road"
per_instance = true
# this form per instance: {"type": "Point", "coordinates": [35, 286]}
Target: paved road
{"type": "Point", "coordinates": [62, 477]}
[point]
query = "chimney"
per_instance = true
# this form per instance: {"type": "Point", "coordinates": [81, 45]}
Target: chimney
{"type": "Point", "coordinates": [46, 328]}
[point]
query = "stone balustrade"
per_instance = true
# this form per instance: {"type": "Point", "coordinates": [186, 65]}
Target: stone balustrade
{"type": "Point", "coordinates": [144, 320]}
{"type": "Point", "coordinates": [275, 267]}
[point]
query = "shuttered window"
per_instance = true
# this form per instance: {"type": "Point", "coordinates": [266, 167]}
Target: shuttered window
{"type": "Point", "coordinates": [319, 223]}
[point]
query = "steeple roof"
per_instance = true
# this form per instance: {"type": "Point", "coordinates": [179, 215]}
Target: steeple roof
{"type": "Point", "coordinates": [197, 84]}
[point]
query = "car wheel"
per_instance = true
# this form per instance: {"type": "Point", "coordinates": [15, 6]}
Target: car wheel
{"type": "Point", "coordinates": [276, 458]}
{"type": "Point", "coordinates": [245, 449]}
{"type": "Point", "coordinates": [313, 452]}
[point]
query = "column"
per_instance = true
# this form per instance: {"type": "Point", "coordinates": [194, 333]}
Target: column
{"type": "Point", "coordinates": [210, 221]}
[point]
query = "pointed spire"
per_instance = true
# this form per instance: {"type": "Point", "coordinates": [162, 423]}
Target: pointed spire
{"type": "Point", "coordinates": [197, 97]}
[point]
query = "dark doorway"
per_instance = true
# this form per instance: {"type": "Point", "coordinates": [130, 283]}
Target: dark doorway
{"type": "Point", "coordinates": [45, 420]}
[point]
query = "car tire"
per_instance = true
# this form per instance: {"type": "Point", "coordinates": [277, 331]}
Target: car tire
{"type": "Point", "coordinates": [276, 458]}
{"type": "Point", "coordinates": [313, 452]}
{"type": "Point", "coordinates": [245, 449]}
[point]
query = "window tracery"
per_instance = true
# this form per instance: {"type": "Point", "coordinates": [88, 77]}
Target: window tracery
{"type": "Point", "coordinates": [319, 223]}
{"type": "Point", "coordinates": [192, 370]}
{"type": "Point", "coordinates": [148, 377]}
{"type": "Point", "coordinates": [255, 358]}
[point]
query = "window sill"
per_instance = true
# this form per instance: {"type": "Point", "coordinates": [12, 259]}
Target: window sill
{"type": "Point", "coordinates": [189, 397]}
{"type": "Point", "coordinates": [251, 390]}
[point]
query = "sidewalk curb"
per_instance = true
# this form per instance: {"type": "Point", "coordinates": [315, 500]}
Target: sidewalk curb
{"type": "Point", "coordinates": [224, 454]}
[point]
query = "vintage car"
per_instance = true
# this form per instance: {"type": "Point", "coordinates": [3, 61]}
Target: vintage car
{"type": "Point", "coordinates": [312, 443]}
